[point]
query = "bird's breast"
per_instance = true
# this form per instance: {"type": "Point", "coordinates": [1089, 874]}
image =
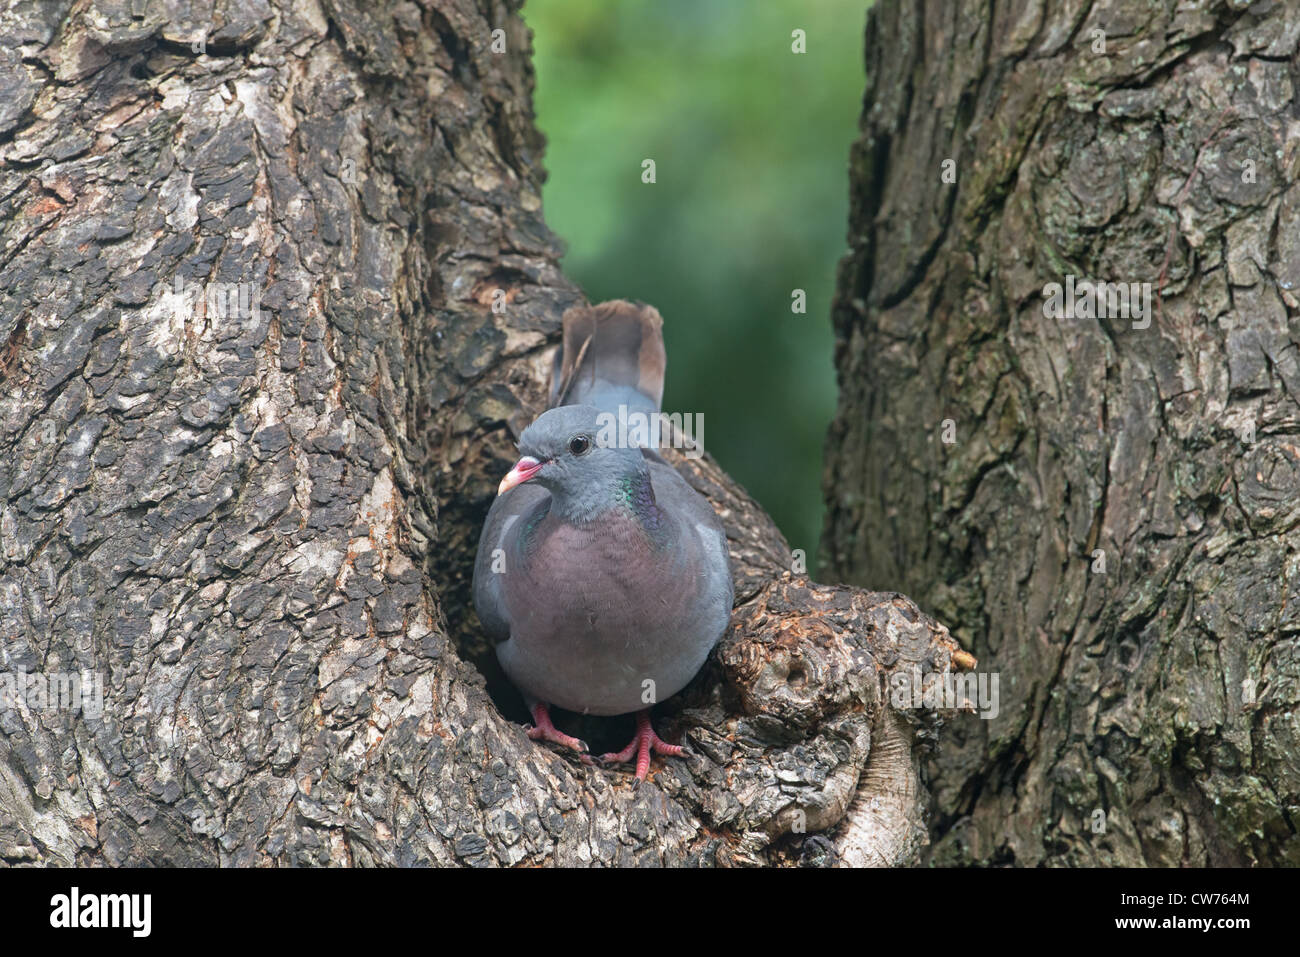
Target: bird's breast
{"type": "Point", "coordinates": [590, 572]}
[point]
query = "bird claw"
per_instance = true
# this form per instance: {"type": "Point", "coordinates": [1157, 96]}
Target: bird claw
{"type": "Point", "coordinates": [544, 730]}
{"type": "Point", "coordinates": [644, 743]}
{"type": "Point", "coordinates": [558, 737]}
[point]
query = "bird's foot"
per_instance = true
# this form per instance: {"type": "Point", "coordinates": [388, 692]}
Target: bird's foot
{"type": "Point", "coordinates": [644, 742]}
{"type": "Point", "coordinates": [544, 730]}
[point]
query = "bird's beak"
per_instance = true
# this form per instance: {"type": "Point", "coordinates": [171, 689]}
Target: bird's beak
{"type": "Point", "coordinates": [524, 469]}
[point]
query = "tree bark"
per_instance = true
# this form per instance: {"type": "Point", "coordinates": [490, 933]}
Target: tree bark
{"type": "Point", "coordinates": [277, 288]}
{"type": "Point", "coordinates": [1114, 529]}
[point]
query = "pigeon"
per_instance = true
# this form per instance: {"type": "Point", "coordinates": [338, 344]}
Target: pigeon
{"type": "Point", "coordinates": [601, 574]}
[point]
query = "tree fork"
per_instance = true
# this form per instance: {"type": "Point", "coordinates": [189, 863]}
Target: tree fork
{"type": "Point", "coordinates": [258, 526]}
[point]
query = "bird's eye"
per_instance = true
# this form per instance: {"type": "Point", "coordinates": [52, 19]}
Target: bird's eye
{"type": "Point", "coordinates": [580, 444]}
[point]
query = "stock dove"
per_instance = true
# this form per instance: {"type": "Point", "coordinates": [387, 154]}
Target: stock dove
{"type": "Point", "coordinates": [601, 573]}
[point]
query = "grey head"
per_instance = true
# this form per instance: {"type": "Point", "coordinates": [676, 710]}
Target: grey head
{"type": "Point", "coordinates": [564, 452]}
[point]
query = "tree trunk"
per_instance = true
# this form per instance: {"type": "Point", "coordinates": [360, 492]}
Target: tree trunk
{"type": "Point", "coordinates": [1104, 510]}
{"type": "Point", "coordinates": [276, 289]}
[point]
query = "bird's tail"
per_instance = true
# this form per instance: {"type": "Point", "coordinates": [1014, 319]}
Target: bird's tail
{"type": "Point", "coordinates": [612, 355]}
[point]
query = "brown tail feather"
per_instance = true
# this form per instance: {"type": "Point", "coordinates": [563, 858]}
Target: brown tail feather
{"type": "Point", "coordinates": [607, 346]}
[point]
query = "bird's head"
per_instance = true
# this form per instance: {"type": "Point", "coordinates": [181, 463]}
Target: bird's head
{"type": "Point", "coordinates": [563, 451]}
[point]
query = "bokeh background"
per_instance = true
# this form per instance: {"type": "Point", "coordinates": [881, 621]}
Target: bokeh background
{"type": "Point", "coordinates": [751, 145]}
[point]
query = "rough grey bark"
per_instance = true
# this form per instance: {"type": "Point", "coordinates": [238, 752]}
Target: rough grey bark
{"type": "Point", "coordinates": [1154, 695]}
{"type": "Point", "coordinates": [257, 523]}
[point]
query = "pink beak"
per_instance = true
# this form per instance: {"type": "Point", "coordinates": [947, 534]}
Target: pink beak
{"type": "Point", "coordinates": [524, 469]}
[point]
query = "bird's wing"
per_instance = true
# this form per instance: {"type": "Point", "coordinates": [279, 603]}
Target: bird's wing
{"type": "Point", "coordinates": [498, 551]}
{"type": "Point", "coordinates": [695, 516]}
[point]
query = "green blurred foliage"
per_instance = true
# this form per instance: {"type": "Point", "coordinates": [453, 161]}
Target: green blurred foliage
{"type": "Point", "coordinates": [751, 145]}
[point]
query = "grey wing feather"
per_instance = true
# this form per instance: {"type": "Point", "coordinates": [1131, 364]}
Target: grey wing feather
{"type": "Point", "coordinates": [497, 550]}
{"type": "Point", "coordinates": [676, 496]}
